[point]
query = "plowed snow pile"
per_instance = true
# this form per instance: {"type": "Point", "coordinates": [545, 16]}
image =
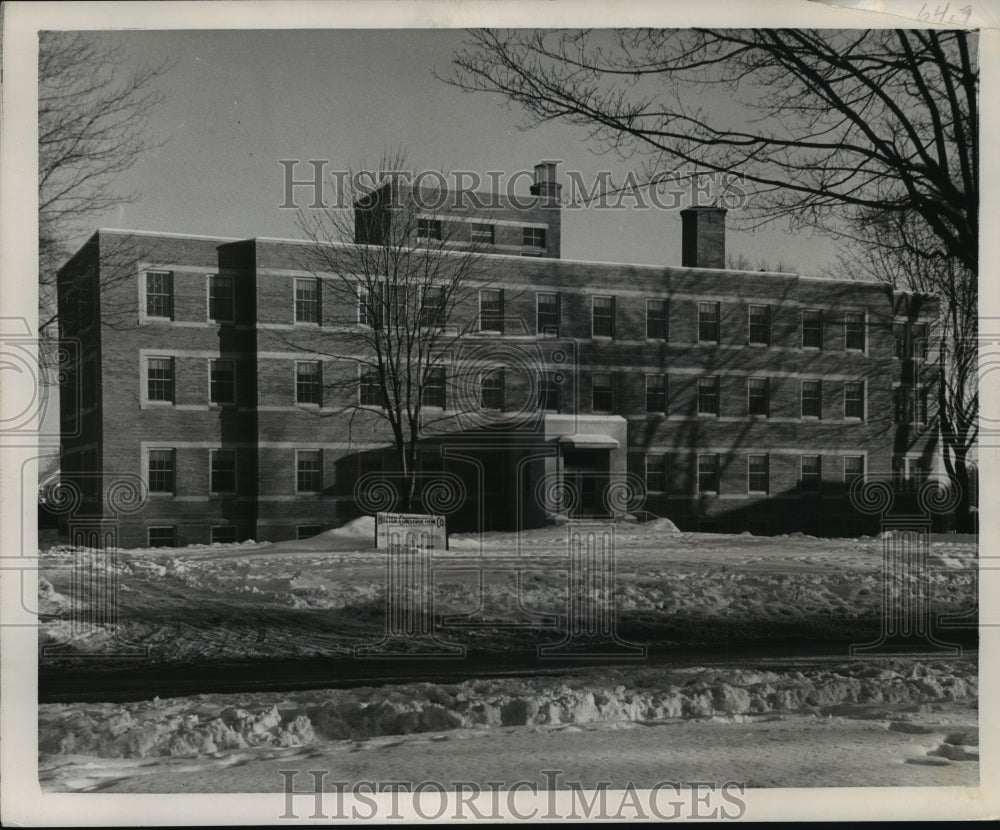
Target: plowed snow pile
{"type": "Point", "coordinates": [213, 723]}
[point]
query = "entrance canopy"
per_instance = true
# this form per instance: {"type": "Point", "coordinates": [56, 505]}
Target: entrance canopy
{"type": "Point", "coordinates": [589, 441]}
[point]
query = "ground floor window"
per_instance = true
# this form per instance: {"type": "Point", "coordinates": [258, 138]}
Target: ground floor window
{"type": "Point", "coordinates": [224, 534]}
{"type": "Point", "coordinates": [163, 537]}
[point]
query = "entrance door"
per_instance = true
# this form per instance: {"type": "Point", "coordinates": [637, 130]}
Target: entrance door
{"type": "Point", "coordinates": [588, 472]}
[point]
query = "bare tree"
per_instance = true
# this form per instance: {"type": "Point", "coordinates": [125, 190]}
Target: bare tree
{"type": "Point", "coordinates": [815, 122]}
{"type": "Point", "coordinates": [92, 127]}
{"type": "Point", "coordinates": [403, 282]}
{"type": "Point", "coordinates": [893, 248]}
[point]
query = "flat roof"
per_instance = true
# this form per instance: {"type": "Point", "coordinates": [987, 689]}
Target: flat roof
{"type": "Point", "coordinates": [545, 260]}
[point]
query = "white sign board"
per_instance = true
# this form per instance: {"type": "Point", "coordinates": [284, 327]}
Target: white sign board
{"type": "Point", "coordinates": [410, 529]}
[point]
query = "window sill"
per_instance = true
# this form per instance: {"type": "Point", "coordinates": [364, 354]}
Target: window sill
{"type": "Point", "coordinates": [158, 404]}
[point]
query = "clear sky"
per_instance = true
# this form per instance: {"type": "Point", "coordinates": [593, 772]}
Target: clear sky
{"type": "Point", "coordinates": [237, 102]}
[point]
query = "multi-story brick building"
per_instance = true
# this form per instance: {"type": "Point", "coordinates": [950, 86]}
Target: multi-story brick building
{"type": "Point", "coordinates": [741, 400]}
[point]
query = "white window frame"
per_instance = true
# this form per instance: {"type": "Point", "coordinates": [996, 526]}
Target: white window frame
{"type": "Point", "coordinates": [614, 314]}
{"type": "Point", "coordinates": [231, 361]}
{"type": "Point", "coordinates": [864, 330]}
{"type": "Point", "coordinates": [298, 452]}
{"type": "Point", "coordinates": [143, 315]}
{"type": "Point", "coordinates": [151, 528]}
{"type": "Point", "coordinates": [593, 388]}
{"type": "Point", "coordinates": [718, 320]}
{"type": "Point", "coordinates": [315, 404]}
{"type": "Point", "coordinates": [319, 301]}
{"type": "Point", "coordinates": [480, 311]}
{"type": "Point", "coordinates": [663, 389]}
{"type": "Point", "coordinates": [864, 402]}
{"type": "Point", "coordinates": [864, 464]}
{"type": "Point", "coordinates": [144, 380]}
{"type": "Point", "coordinates": [802, 399]}
{"type": "Point", "coordinates": [538, 329]}
{"type": "Point", "coordinates": [645, 471]}
{"type": "Point", "coordinates": [819, 472]}
{"type": "Point", "coordinates": [767, 397]}
{"type": "Point", "coordinates": [718, 473]}
{"type": "Point", "coordinates": [750, 340]}
{"type": "Point", "coordinates": [666, 319]}
{"type": "Point", "coordinates": [767, 473]}
{"type": "Point", "coordinates": [208, 298]}
{"type": "Point", "coordinates": [236, 461]}
{"type": "Point", "coordinates": [802, 329]}
{"type": "Point", "coordinates": [146, 471]}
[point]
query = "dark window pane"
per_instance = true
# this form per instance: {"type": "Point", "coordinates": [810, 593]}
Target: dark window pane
{"type": "Point", "coordinates": [708, 322]}
{"type": "Point", "coordinates": [603, 317]}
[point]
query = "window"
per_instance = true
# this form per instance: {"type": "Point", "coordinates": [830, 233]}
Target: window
{"type": "Point", "coordinates": [224, 535]}
{"type": "Point", "coordinates": [428, 229]}
{"type": "Point", "coordinates": [758, 396]}
{"type": "Point", "coordinates": [160, 379]}
{"type": "Point", "coordinates": [534, 237]}
{"type": "Point", "coordinates": [918, 347]}
{"type": "Point", "coordinates": [163, 537]}
{"type": "Point", "coordinates": [810, 476]}
{"type": "Point", "coordinates": [708, 322]}
{"type": "Point", "coordinates": [909, 473]}
{"type": "Point", "coordinates": [222, 382]}
{"type": "Point", "coordinates": [602, 393]}
{"type": "Point", "coordinates": [161, 471]}
{"type": "Point", "coordinates": [223, 471]}
{"type": "Point", "coordinates": [899, 339]}
{"type": "Point", "coordinates": [307, 301]}
{"type": "Point", "coordinates": [547, 314]}
{"type": "Point", "coordinates": [854, 399]}
{"type": "Point", "coordinates": [481, 232]}
{"type": "Point", "coordinates": [812, 399]}
{"type": "Point", "coordinates": [812, 329]}
{"type": "Point", "coordinates": [656, 393]}
{"type": "Point", "coordinates": [656, 472]}
{"type": "Point", "coordinates": [708, 395]}
{"type": "Point", "coordinates": [760, 325]}
{"type": "Point", "coordinates": [491, 310]}
{"type": "Point", "coordinates": [369, 390]}
{"type": "Point", "coordinates": [854, 331]}
{"type": "Point", "coordinates": [160, 294]}
{"type": "Point", "coordinates": [434, 388]}
{"type": "Point", "coordinates": [221, 299]}
{"type": "Point", "coordinates": [854, 468]}
{"type": "Point", "coordinates": [603, 317]}
{"type": "Point", "coordinates": [307, 531]}
{"type": "Point", "coordinates": [548, 391]}
{"type": "Point", "coordinates": [910, 405]}
{"type": "Point", "coordinates": [309, 471]}
{"type": "Point", "coordinates": [491, 389]}
{"type": "Point", "coordinates": [370, 307]}
{"type": "Point", "coordinates": [432, 308]}
{"type": "Point", "coordinates": [656, 319]}
{"type": "Point", "coordinates": [308, 382]}
{"type": "Point", "coordinates": [708, 473]}
{"type": "Point", "coordinates": [757, 478]}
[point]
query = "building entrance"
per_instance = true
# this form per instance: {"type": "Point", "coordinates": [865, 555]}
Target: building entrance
{"type": "Point", "coordinates": [587, 472]}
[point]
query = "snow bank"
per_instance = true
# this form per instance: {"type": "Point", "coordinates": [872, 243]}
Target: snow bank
{"type": "Point", "coordinates": [190, 726]}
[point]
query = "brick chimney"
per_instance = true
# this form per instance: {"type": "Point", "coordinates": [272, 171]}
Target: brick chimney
{"type": "Point", "coordinates": [545, 184]}
{"type": "Point", "coordinates": [703, 237]}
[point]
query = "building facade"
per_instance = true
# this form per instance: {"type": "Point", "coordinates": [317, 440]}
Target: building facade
{"type": "Point", "coordinates": [724, 400]}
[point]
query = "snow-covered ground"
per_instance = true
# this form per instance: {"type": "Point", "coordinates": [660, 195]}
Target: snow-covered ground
{"type": "Point", "coordinates": [772, 722]}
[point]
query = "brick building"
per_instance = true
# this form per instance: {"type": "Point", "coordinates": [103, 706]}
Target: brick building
{"type": "Point", "coordinates": [740, 400]}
